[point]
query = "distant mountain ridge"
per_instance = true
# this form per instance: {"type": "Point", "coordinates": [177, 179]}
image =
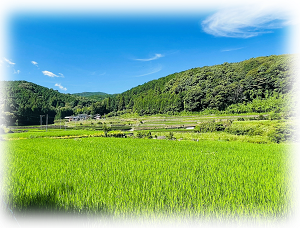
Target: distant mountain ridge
{"type": "Point", "coordinates": [88, 94]}
{"type": "Point", "coordinates": [94, 95]}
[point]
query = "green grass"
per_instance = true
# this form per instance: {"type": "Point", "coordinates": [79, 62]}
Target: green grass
{"type": "Point", "coordinates": [35, 133]}
{"type": "Point", "coordinates": [140, 177]}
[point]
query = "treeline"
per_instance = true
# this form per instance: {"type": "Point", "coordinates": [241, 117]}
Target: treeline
{"type": "Point", "coordinates": [260, 84]}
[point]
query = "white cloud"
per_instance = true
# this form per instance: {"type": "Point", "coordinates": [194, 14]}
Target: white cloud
{"type": "Point", "coordinates": [50, 74]}
{"type": "Point", "coordinates": [157, 56]}
{"type": "Point", "coordinates": [34, 63]}
{"type": "Point", "coordinates": [152, 72]}
{"type": "Point", "coordinates": [61, 75]}
{"type": "Point", "coordinates": [16, 71]}
{"type": "Point", "coordinates": [245, 22]}
{"type": "Point", "coordinates": [9, 62]}
{"type": "Point", "coordinates": [97, 74]}
{"type": "Point", "coordinates": [232, 49]}
{"type": "Point", "coordinates": [60, 86]}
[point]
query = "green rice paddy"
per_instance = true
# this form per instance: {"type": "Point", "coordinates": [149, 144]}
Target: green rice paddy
{"type": "Point", "coordinates": [123, 177]}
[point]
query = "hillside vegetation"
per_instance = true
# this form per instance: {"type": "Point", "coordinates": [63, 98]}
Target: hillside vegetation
{"type": "Point", "coordinates": [262, 84]}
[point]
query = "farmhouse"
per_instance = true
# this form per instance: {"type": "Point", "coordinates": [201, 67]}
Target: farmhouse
{"type": "Point", "coordinates": [78, 117]}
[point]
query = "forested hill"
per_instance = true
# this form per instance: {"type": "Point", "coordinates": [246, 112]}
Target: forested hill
{"type": "Point", "coordinates": [23, 102]}
{"type": "Point", "coordinates": [259, 84]}
{"type": "Point", "coordinates": [212, 87]}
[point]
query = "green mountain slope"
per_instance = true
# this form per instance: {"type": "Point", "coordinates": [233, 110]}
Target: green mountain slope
{"type": "Point", "coordinates": [212, 87]}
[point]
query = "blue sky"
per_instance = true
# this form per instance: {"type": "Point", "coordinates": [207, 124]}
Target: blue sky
{"type": "Point", "coordinates": [110, 53]}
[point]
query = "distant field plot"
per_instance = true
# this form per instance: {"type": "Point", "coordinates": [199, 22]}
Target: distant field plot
{"type": "Point", "coordinates": [123, 177]}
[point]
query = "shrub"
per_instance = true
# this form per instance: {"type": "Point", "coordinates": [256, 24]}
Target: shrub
{"type": "Point", "coordinates": [170, 136]}
{"type": "Point", "coordinates": [274, 116]}
{"type": "Point", "coordinates": [139, 134]}
{"type": "Point", "coordinates": [239, 130]}
{"type": "Point", "coordinates": [148, 135]}
{"type": "Point", "coordinates": [281, 133]}
{"type": "Point", "coordinates": [211, 126]}
{"type": "Point", "coordinates": [261, 117]}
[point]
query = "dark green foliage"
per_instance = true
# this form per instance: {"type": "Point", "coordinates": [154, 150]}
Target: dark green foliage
{"type": "Point", "coordinates": [261, 117]}
{"type": "Point", "coordinates": [170, 136]}
{"type": "Point", "coordinates": [282, 132]}
{"type": "Point", "coordinates": [139, 134]}
{"type": "Point", "coordinates": [244, 130]}
{"type": "Point", "coordinates": [106, 129]}
{"type": "Point", "coordinates": [211, 126]}
{"type": "Point", "coordinates": [147, 135]}
{"type": "Point", "coordinates": [274, 116]}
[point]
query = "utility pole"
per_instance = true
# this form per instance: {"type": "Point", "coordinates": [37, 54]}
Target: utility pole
{"type": "Point", "coordinates": [46, 121]}
{"type": "Point", "coordinates": [41, 121]}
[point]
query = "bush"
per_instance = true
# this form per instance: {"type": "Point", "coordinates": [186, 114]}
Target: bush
{"type": "Point", "coordinates": [261, 117]}
{"type": "Point", "coordinates": [148, 135]}
{"type": "Point", "coordinates": [240, 129]}
{"type": "Point", "coordinates": [274, 116]}
{"type": "Point", "coordinates": [281, 133]}
{"type": "Point", "coordinates": [211, 126]}
{"type": "Point", "coordinates": [170, 136]}
{"type": "Point", "coordinates": [116, 134]}
{"type": "Point", "coordinates": [139, 134]}
{"type": "Point", "coordinates": [240, 119]}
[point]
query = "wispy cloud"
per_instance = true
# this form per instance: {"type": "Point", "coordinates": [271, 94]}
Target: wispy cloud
{"type": "Point", "coordinates": [156, 56]}
{"type": "Point", "coordinates": [35, 63]}
{"type": "Point", "coordinates": [232, 49]}
{"type": "Point", "coordinates": [60, 86]}
{"type": "Point", "coordinates": [61, 75]}
{"type": "Point", "coordinates": [52, 75]}
{"type": "Point", "coordinates": [152, 72]}
{"type": "Point", "coordinates": [97, 74]}
{"type": "Point", "coordinates": [245, 22]}
{"type": "Point", "coordinates": [8, 61]}
{"type": "Point", "coordinates": [16, 71]}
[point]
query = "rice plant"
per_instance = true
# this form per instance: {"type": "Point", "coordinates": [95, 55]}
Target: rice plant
{"type": "Point", "coordinates": [123, 177]}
